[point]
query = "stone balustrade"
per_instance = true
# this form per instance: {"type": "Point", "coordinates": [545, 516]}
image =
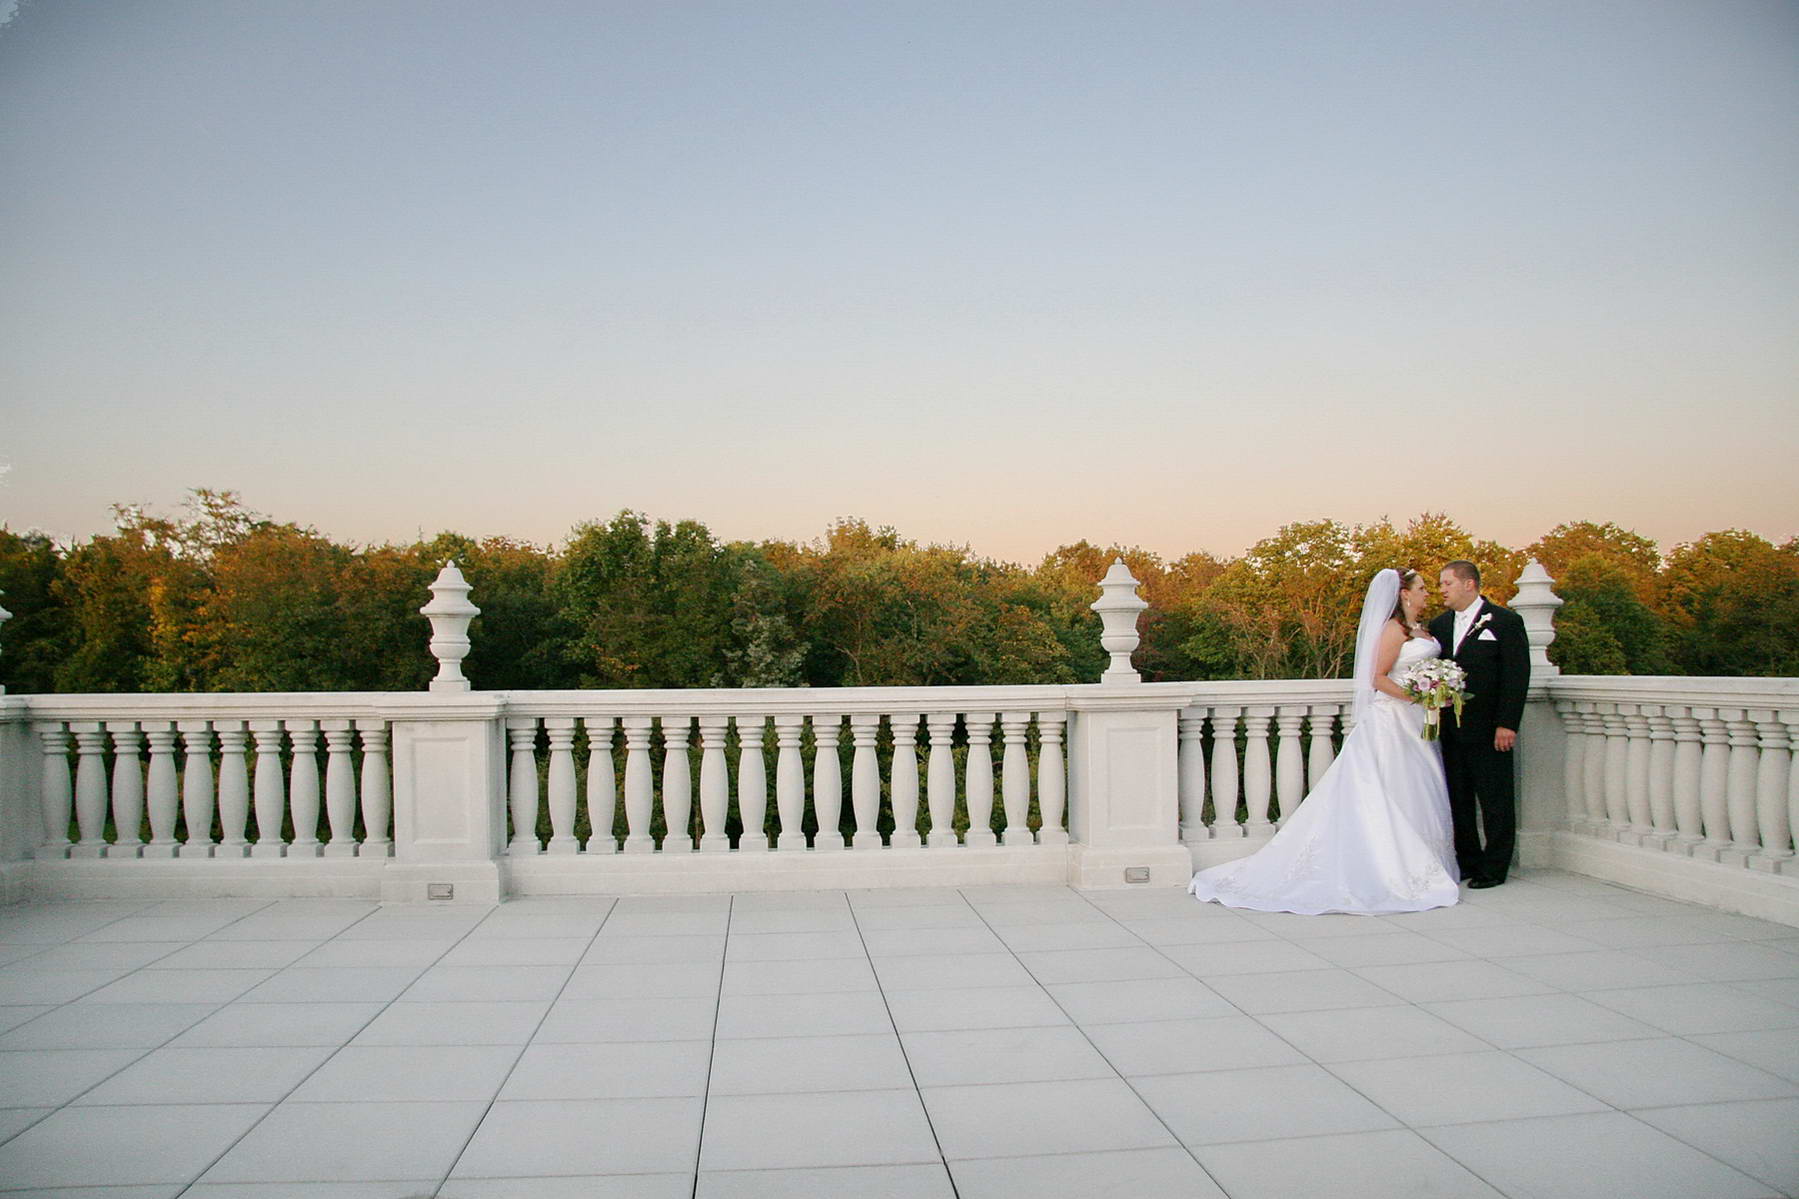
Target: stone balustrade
{"type": "Point", "coordinates": [1688, 787]}
{"type": "Point", "coordinates": [727, 774]}
{"type": "Point", "coordinates": [1691, 770]}
{"type": "Point", "coordinates": [1249, 755]}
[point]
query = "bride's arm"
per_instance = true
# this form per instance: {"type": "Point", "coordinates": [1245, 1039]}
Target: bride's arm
{"type": "Point", "coordinates": [1392, 638]}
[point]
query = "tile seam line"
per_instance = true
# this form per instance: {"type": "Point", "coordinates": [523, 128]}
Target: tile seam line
{"type": "Point", "coordinates": [1402, 1124]}
{"type": "Point", "coordinates": [257, 1123]}
{"type": "Point", "coordinates": [474, 1130]}
{"type": "Point", "coordinates": [718, 999]}
{"type": "Point", "coordinates": [1116, 1073]}
{"type": "Point", "coordinates": [911, 1072]}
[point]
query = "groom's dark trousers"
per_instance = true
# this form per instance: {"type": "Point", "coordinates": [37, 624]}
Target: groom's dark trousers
{"type": "Point", "coordinates": [1482, 795]}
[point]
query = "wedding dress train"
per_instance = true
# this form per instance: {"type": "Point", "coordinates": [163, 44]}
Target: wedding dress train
{"type": "Point", "coordinates": [1373, 836]}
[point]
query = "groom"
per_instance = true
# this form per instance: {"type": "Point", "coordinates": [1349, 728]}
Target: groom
{"type": "Point", "coordinates": [1489, 643]}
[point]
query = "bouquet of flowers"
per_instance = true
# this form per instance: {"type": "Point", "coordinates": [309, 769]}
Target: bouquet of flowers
{"type": "Point", "coordinates": [1436, 683]}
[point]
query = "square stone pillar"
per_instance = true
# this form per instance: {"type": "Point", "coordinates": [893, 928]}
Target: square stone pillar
{"type": "Point", "coordinates": [449, 764]}
{"type": "Point", "coordinates": [21, 812]}
{"type": "Point", "coordinates": [1541, 783]}
{"type": "Point", "coordinates": [1124, 787]}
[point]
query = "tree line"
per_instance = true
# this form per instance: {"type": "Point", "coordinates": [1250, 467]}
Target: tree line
{"type": "Point", "coordinates": [220, 598]}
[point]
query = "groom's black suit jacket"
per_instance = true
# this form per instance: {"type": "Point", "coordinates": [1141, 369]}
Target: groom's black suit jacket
{"type": "Point", "coordinates": [1498, 670]}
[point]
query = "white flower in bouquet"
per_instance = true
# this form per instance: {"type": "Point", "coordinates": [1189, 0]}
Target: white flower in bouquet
{"type": "Point", "coordinates": [1436, 683]}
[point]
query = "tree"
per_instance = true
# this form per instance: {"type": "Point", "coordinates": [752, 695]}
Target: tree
{"type": "Point", "coordinates": [272, 620]}
{"type": "Point", "coordinates": [1634, 556]}
{"type": "Point", "coordinates": [647, 608]}
{"type": "Point", "coordinates": [883, 611]}
{"type": "Point", "coordinates": [129, 596]}
{"type": "Point", "coordinates": [1733, 600]}
{"type": "Point", "coordinates": [39, 634]}
{"type": "Point", "coordinates": [1287, 608]}
{"type": "Point", "coordinates": [1603, 626]}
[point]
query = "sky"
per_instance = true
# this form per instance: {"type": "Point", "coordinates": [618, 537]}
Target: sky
{"type": "Point", "coordinates": [1001, 275]}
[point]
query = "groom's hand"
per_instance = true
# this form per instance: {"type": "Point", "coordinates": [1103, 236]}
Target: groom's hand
{"type": "Point", "coordinates": [1504, 739]}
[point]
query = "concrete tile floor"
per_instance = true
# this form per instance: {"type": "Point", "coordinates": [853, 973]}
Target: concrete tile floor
{"type": "Point", "coordinates": [1553, 1037]}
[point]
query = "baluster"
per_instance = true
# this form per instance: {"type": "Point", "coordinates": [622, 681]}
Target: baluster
{"type": "Point", "coordinates": [1636, 773]}
{"type": "Point", "coordinates": [979, 782]}
{"type": "Point", "coordinates": [1791, 720]}
{"type": "Point", "coordinates": [1289, 767]}
{"type": "Point", "coordinates": [1191, 763]}
{"type": "Point", "coordinates": [303, 788]}
{"type": "Point", "coordinates": [715, 785]}
{"type": "Point", "coordinates": [1714, 784]}
{"type": "Point", "coordinates": [271, 789]}
{"type": "Point", "coordinates": [640, 789]}
{"type": "Point", "coordinates": [1224, 772]}
{"type": "Point", "coordinates": [521, 785]}
{"type": "Point", "coordinates": [1745, 835]}
{"type": "Point", "coordinates": [377, 794]}
{"type": "Point", "coordinates": [561, 784]}
{"type": "Point", "coordinates": [164, 790]}
{"type": "Point", "coordinates": [1594, 789]}
{"type": "Point", "coordinates": [790, 782]}
{"type": "Point", "coordinates": [827, 781]}
{"type": "Point", "coordinates": [903, 783]}
{"type": "Point", "coordinates": [56, 795]}
{"type": "Point", "coordinates": [940, 779]}
{"type": "Point", "coordinates": [1574, 755]}
{"type": "Point", "coordinates": [234, 789]}
{"type": "Point", "coordinates": [1257, 775]}
{"type": "Point", "coordinates": [677, 785]}
{"type": "Point", "coordinates": [865, 780]}
{"type": "Point", "coordinates": [1323, 752]}
{"type": "Point", "coordinates": [1661, 776]}
{"type": "Point", "coordinates": [602, 785]}
{"type": "Point", "coordinates": [1617, 771]}
{"type": "Point", "coordinates": [90, 788]}
{"type": "Point", "coordinates": [340, 788]}
{"type": "Point", "coordinates": [714, 788]}
{"type": "Point", "coordinates": [1687, 752]}
{"type": "Point", "coordinates": [1015, 777]}
{"type": "Point", "coordinates": [1052, 779]}
{"type": "Point", "coordinates": [197, 798]}
{"type": "Point", "coordinates": [127, 789]}
{"type": "Point", "coordinates": [752, 784]}
{"type": "Point", "coordinates": [1771, 791]}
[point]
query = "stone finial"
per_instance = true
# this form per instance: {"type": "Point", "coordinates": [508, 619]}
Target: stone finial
{"type": "Point", "coordinates": [1118, 606]}
{"type": "Point", "coordinates": [1536, 603]}
{"type": "Point", "coordinates": [450, 613]}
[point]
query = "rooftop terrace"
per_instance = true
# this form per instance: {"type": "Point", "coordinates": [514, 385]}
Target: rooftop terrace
{"type": "Point", "coordinates": [1558, 1036]}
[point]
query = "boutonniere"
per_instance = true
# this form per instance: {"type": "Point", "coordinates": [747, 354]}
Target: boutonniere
{"type": "Point", "coordinates": [1480, 624]}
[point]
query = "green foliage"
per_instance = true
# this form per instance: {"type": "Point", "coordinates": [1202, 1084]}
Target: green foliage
{"type": "Point", "coordinates": [222, 598]}
{"type": "Point", "coordinates": [38, 636]}
{"type": "Point", "coordinates": [1733, 600]}
{"type": "Point", "coordinates": [1603, 626]}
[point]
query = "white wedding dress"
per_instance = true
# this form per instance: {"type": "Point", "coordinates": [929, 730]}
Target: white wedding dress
{"type": "Point", "coordinates": [1373, 836]}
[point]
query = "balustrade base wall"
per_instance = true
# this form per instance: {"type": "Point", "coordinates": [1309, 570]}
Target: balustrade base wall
{"type": "Point", "coordinates": [252, 878]}
{"type": "Point", "coordinates": [1730, 888]}
{"type": "Point", "coordinates": [802, 870]}
{"type": "Point", "coordinates": [392, 881]}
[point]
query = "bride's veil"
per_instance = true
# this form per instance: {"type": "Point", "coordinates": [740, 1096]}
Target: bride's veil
{"type": "Point", "coordinates": [1377, 609]}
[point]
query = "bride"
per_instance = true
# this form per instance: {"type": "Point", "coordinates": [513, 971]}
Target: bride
{"type": "Point", "coordinates": [1374, 835]}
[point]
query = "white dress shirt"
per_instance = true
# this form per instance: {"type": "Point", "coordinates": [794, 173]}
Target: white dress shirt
{"type": "Point", "coordinates": [1465, 620]}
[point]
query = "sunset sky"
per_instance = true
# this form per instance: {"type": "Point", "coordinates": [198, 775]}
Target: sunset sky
{"type": "Point", "coordinates": [1002, 274]}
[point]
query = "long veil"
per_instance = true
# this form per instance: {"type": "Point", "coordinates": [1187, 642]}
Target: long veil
{"type": "Point", "coordinates": [1377, 609]}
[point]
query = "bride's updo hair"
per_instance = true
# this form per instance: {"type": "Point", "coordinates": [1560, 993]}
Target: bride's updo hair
{"type": "Point", "coordinates": [1407, 577]}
